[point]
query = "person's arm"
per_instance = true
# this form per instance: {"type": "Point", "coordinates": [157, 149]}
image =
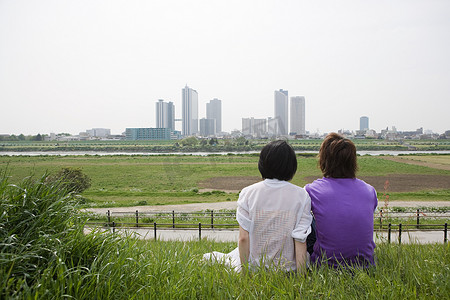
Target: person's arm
{"type": "Point", "coordinates": [244, 245]}
{"type": "Point", "coordinates": [300, 256]}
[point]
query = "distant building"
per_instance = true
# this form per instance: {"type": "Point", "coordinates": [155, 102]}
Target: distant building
{"type": "Point", "coordinates": [214, 111]}
{"type": "Point", "coordinates": [165, 115]}
{"type": "Point", "coordinates": [364, 123]}
{"type": "Point", "coordinates": [272, 127]}
{"type": "Point", "coordinates": [281, 111]}
{"type": "Point", "coordinates": [98, 132]}
{"type": "Point", "coordinates": [207, 127]}
{"type": "Point", "coordinates": [189, 111]}
{"type": "Point", "coordinates": [133, 134]}
{"type": "Point", "coordinates": [297, 116]}
{"type": "Point", "coordinates": [254, 127]}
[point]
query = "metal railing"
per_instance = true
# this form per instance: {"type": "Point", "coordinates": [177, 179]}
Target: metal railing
{"type": "Point", "coordinates": [173, 216]}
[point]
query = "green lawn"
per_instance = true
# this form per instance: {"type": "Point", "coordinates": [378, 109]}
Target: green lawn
{"type": "Point", "coordinates": [171, 179]}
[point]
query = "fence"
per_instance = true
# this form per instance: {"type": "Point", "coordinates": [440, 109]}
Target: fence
{"type": "Point", "coordinates": [211, 215]}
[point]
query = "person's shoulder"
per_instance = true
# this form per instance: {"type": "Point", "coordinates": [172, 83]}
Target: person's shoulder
{"type": "Point", "coordinates": [296, 189]}
{"type": "Point", "coordinates": [363, 183]}
{"type": "Point", "coordinates": [315, 184]}
{"type": "Point", "coordinates": [252, 187]}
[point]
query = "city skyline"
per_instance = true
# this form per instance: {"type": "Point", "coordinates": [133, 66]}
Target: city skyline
{"type": "Point", "coordinates": [70, 65]}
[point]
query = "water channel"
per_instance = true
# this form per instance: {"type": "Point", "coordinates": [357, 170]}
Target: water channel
{"type": "Point", "coordinates": [102, 153]}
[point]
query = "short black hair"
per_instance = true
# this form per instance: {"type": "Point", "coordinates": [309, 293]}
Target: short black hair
{"type": "Point", "coordinates": [277, 160]}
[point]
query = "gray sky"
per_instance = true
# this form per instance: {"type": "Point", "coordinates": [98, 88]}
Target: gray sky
{"type": "Point", "coordinates": [68, 66]}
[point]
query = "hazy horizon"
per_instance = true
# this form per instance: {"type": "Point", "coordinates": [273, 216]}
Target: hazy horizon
{"type": "Point", "coordinates": [68, 66]}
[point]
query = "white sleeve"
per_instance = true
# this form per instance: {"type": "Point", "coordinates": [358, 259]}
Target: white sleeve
{"type": "Point", "coordinates": [242, 213]}
{"type": "Point", "coordinates": [304, 218]}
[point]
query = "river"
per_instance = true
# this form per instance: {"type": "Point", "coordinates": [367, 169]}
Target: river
{"type": "Point", "coordinates": [101, 153]}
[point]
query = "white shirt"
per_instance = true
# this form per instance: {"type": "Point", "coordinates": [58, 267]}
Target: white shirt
{"type": "Point", "coordinates": [274, 213]}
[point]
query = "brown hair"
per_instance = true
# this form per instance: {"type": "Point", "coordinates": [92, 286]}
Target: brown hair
{"type": "Point", "coordinates": [337, 157]}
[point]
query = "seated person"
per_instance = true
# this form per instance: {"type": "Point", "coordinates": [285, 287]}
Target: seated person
{"type": "Point", "coordinates": [274, 215]}
{"type": "Point", "coordinates": [343, 208]}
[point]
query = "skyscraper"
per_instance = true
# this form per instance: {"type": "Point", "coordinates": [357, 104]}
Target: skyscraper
{"type": "Point", "coordinates": [189, 111]}
{"type": "Point", "coordinates": [214, 111]}
{"type": "Point", "coordinates": [364, 123]}
{"type": "Point", "coordinates": [165, 115]}
{"type": "Point", "coordinates": [281, 111]}
{"type": "Point", "coordinates": [297, 115]}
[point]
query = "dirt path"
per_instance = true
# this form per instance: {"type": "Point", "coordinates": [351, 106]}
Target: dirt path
{"type": "Point", "coordinates": [232, 205]}
{"type": "Point", "coordinates": [405, 160]}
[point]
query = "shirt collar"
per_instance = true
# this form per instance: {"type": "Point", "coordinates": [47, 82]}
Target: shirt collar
{"type": "Point", "coordinates": [274, 182]}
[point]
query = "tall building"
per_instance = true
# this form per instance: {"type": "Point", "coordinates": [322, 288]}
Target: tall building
{"type": "Point", "coordinates": [364, 123]}
{"type": "Point", "coordinates": [297, 115]}
{"type": "Point", "coordinates": [207, 127]}
{"type": "Point", "coordinates": [165, 115]}
{"type": "Point", "coordinates": [189, 111]}
{"type": "Point", "coordinates": [214, 111]}
{"type": "Point", "coordinates": [281, 111]}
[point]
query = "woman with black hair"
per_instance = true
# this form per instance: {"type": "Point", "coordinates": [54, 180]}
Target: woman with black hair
{"type": "Point", "coordinates": [274, 215]}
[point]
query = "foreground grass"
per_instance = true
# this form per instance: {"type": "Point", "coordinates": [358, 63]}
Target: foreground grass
{"type": "Point", "coordinates": [44, 254]}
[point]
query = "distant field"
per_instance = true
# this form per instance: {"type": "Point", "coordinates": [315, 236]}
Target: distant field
{"type": "Point", "coordinates": [175, 179]}
{"type": "Point", "coordinates": [238, 144]}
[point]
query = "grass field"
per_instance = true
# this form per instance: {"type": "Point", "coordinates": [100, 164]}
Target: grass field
{"type": "Point", "coordinates": [177, 179]}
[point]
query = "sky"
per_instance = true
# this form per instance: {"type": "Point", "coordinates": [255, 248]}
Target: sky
{"type": "Point", "coordinates": [68, 66]}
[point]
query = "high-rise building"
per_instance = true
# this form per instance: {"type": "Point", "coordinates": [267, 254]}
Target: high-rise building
{"type": "Point", "coordinates": [207, 127]}
{"type": "Point", "coordinates": [281, 111]}
{"type": "Point", "coordinates": [165, 115]}
{"type": "Point", "coordinates": [297, 115]}
{"type": "Point", "coordinates": [214, 111]}
{"type": "Point", "coordinates": [364, 123]}
{"type": "Point", "coordinates": [189, 111]}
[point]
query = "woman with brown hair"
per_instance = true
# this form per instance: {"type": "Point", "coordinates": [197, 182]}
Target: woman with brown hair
{"type": "Point", "coordinates": [343, 207]}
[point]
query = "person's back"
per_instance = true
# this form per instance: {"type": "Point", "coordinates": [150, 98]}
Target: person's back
{"type": "Point", "coordinates": [343, 207]}
{"type": "Point", "coordinates": [272, 211]}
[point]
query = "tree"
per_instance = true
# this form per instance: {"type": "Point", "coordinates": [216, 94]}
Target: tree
{"type": "Point", "coordinates": [38, 137]}
{"type": "Point", "coordinates": [189, 141]}
{"type": "Point", "coordinates": [72, 179]}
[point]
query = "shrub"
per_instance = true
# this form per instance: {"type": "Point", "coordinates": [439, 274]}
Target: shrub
{"type": "Point", "coordinates": [72, 179]}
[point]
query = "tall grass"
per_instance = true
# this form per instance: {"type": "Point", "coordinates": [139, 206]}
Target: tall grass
{"type": "Point", "coordinates": [46, 255]}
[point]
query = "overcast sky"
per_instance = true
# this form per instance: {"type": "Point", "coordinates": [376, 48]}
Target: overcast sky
{"type": "Point", "coordinates": [68, 66]}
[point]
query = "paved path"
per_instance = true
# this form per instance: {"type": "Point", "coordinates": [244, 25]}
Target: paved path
{"type": "Point", "coordinates": [231, 205]}
{"type": "Point", "coordinates": [226, 235]}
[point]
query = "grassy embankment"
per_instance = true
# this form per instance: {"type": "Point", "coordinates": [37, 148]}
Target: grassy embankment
{"type": "Point", "coordinates": [159, 180]}
{"type": "Point", "coordinates": [45, 255]}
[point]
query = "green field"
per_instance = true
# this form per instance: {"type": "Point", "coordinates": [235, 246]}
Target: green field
{"type": "Point", "coordinates": [193, 144]}
{"type": "Point", "coordinates": [175, 179]}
